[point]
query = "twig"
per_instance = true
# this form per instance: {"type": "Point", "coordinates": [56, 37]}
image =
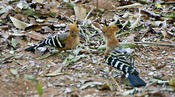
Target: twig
{"type": "Point", "coordinates": [134, 44]}
{"type": "Point", "coordinates": [120, 89]}
{"type": "Point", "coordinates": [116, 83]}
{"type": "Point", "coordinates": [87, 15]}
{"type": "Point", "coordinates": [97, 5]}
{"type": "Point", "coordinates": [134, 25]}
{"type": "Point", "coordinates": [97, 29]}
{"type": "Point", "coordinates": [130, 6]}
{"type": "Point", "coordinates": [121, 34]}
{"type": "Point", "coordinates": [151, 43]}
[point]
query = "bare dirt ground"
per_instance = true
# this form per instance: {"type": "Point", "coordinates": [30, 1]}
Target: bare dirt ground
{"type": "Point", "coordinates": [85, 74]}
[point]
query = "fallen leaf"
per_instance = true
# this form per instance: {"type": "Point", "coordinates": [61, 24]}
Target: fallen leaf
{"type": "Point", "coordinates": [33, 27]}
{"type": "Point", "coordinates": [130, 38]}
{"type": "Point", "coordinates": [56, 72]}
{"type": "Point", "coordinates": [137, 21]}
{"type": "Point", "coordinates": [18, 24]}
{"type": "Point", "coordinates": [30, 77]}
{"type": "Point", "coordinates": [172, 82]}
{"type": "Point", "coordinates": [22, 4]}
{"type": "Point", "coordinates": [164, 33]}
{"type": "Point", "coordinates": [106, 86]}
{"type": "Point", "coordinates": [14, 72]}
{"type": "Point", "coordinates": [6, 9]}
{"type": "Point", "coordinates": [80, 11]}
{"type": "Point", "coordinates": [36, 36]}
{"type": "Point", "coordinates": [14, 42]}
{"type": "Point", "coordinates": [129, 92]}
{"type": "Point", "coordinates": [38, 1]}
{"type": "Point", "coordinates": [4, 27]}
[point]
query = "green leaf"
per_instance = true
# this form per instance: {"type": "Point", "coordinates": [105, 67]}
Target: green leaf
{"type": "Point", "coordinates": [38, 85]}
{"type": "Point", "coordinates": [158, 5]}
{"type": "Point", "coordinates": [70, 3]}
{"type": "Point", "coordinates": [39, 88]}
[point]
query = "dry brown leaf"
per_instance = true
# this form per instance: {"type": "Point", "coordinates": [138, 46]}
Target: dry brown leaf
{"type": "Point", "coordinates": [131, 36]}
{"type": "Point", "coordinates": [35, 36]}
{"type": "Point", "coordinates": [4, 27]}
{"type": "Point", "coordinates": [21, 17]}
{"type": "Point", "coordinates": [80, 11]}
{"type": "Point", "coordinates": [34, 27]}
{"type": "Point", "coordinates": [165, 34]}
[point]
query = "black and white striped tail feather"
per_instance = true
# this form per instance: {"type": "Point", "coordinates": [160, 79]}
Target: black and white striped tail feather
{"type": "Point", "coordinates": [51, 41]}
{"type": "Point", "coordinates": [129, 71]}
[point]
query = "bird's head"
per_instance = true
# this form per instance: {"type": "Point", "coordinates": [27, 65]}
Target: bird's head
{"type": "Point", "coordinates": [109, 30]}
{"type": "Point", "coordinates": [74, 29]}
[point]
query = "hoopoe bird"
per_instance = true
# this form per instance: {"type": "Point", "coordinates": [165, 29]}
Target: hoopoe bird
{"type": "Point", "coordinates": [118, 58]}
{"type": "Point", "coordinates": [65, 41]}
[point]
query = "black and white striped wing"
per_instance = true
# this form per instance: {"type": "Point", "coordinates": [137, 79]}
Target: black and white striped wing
{"type": "Point", "coordinates": [120, 62]}
{"type": "Point", "coordinates": [55, 41]}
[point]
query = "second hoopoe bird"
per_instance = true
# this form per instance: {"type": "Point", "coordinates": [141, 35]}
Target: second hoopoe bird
{"type": "Point", "coordinates": [118, 58]}
{"type": "Point", "coordinates": [65, 41]}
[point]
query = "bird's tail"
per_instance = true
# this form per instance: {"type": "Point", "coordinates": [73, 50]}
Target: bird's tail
{"type": "Point", "coordinates": [135, 80]}
{"type": "Point", "coordinates": [130, 71]}
{"type": "Point", "coordinates": [31, 48]}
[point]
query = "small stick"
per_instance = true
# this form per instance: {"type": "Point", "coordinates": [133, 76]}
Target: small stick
{"type": "Point", "coordinates": [141, 44]}
{"type": "Point", "coordinates": [97, 5]}
{"type": "Point", "coordinates": [88, 15]}
{"type": "Point", "coordinates": [120, 89]}
{"type": "Point", "coordinates": [151, 43]}
{"type": "Point", "coordinates": [97, 29]}
{"type": "Point", "coordinates": [116, 83]}
{"type": "Point", "coordinates": [130, 6]}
